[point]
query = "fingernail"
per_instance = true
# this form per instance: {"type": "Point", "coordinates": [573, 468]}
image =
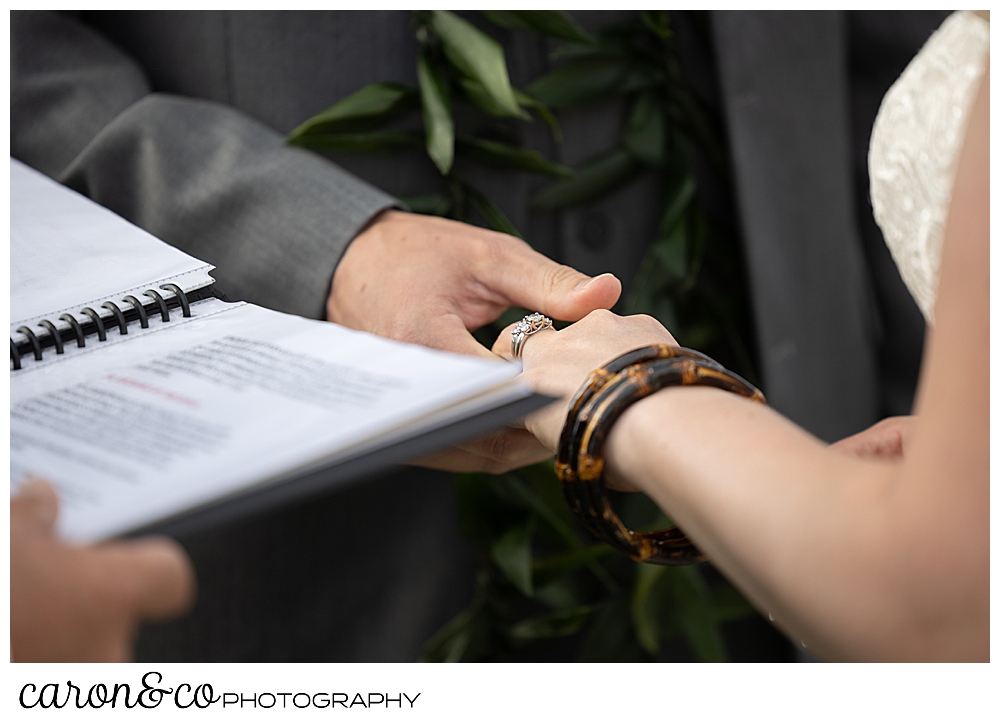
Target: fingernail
{"type": "Point", "coordinates": [587, 282]}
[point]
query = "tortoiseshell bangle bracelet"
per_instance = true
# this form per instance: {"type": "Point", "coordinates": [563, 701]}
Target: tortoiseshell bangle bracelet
{"type": "Point", "coordinates": [607, 393]}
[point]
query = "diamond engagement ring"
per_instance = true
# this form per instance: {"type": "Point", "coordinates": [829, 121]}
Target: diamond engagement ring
{"type": "Point", "coordinates": [525, 328]}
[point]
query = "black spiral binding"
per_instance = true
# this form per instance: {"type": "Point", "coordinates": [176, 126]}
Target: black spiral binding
{"type": "Point", "coordinates": [129, 310]}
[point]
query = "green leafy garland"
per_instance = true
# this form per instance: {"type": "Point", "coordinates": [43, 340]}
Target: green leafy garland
{"type": "Point", "coordinates": [544, 588]}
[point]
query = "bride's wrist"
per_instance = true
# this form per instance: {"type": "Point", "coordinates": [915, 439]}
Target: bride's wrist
{"type": "Point", "coordinates": [637, 445]}
{"type": "Point", "coordinates": [618, 432]}
{"type": "Point", "coordinates": [626, 446]}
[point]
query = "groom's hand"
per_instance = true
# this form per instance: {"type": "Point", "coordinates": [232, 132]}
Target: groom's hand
{"type": "Point", "coordinates": [432, 281]}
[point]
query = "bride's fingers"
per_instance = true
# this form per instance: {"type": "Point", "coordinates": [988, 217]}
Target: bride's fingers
{"type": "Point", "coordinates": [503, 346]}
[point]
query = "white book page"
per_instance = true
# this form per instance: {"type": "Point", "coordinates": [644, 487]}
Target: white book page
{"type": "Point", "coordinates": [228, 400]}
{"type": "Point", "coordinates": [67, 251]}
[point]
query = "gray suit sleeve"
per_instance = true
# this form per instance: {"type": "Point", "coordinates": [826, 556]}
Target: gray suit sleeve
{"type": "Point", "coordinates": [202, 176]}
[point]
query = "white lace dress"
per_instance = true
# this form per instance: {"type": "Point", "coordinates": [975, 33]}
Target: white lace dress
{"type": "Point", "coordinates": [915, 145]}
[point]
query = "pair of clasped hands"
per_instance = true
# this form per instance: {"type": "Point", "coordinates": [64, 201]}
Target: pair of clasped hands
{"type": "Point", "coordinates": [411, 278]}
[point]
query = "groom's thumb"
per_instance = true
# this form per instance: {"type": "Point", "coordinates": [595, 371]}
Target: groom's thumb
{"type": "Point", "coordinates": [528, 279]}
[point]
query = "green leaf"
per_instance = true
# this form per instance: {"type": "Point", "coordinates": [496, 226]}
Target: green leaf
{"type": "Point", "coordinates": [502, 155]}
{"type": "Point", "coordinates": [431, 204]}
{"type": "Point", "coordinates": [495, 218]}
{"type": "Point", "coordinates": [647, 606]}
{"type": "Point", "coordinates": [541, 479]}
{"type": "Point", "coordinates": [367, 142]}
{"type": "Point", "coordinates": [678, 202]}
{"type": "Point", "coordinates": [648, 294]}
{"type": "Point", "coordinates": [646, 288]}
{"type": "Point", "coordinates": [694, 615]}
{"type": "Point", "coordinates": [514, 490]}
{"type": "Point", "coordinates": [581, 80]}
{"type": "Point", "coordinates": [543, 110]}
{"type": "Point", "coordinates": [665, 599]}
{"type": "Point", "coordinates": [555, 566]}
{"type": "Point", "coordinates": [670, 252]}
{"type": "Point", "coordinates": [369, 107]}
{"type": "Point", "coordinates": [699, 124]}
{"type": "Point", "coordinates": [559, 594]}
{"type": "Point", "coordinates": [554, 23]}
{"type": "Point", "coordinates": [641, 77]}
{"type": "Point", "coordinates": [572, 51]}
{"type": "Point", "coordinates": [438, 122]}
{"type": "Point", "coordinates": [658, 22]}
{"type": "Point", "coordinates": [512, 554]}
{"type": "Point", "coordinates": [594, 180]}
{"type": "Point", "coordinates": [645, 133]}
{"type": "Point", "coordinates": [477, 56]}
{"type": "Point", "coordinates": [476, 94]}
{"type": "Point", "coordinates": [592, 77]}
{"type": "Point", "coordinates": [559, 624]}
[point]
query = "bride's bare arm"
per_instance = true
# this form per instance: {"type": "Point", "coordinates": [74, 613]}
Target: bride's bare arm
{"type": "Point", "coordinates": [860, 557]}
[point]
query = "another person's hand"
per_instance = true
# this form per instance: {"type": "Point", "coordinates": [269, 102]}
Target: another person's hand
{"type": "Point", "coordinates": [557, 362]}
{"type": "Point", "coordinates": [76, 604]}
{"type": "Point", "coordinates": [431, 281]}
{"type": "Point", "coordinates": [885, 439]}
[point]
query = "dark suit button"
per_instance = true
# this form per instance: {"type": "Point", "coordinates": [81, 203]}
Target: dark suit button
{"type": "Point", "coordinates": [593, 231]}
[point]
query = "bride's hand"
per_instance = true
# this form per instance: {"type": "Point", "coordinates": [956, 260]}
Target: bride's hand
{"type": "Point", "coordinates": [557, 362]}
{"type": "Point", "coordinates": [885, 439]}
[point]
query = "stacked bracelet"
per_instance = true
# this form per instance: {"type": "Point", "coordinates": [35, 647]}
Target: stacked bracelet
{"type": "Point", "coordinates": [607, 393]}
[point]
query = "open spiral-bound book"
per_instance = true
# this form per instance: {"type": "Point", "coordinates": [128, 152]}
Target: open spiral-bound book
{"type": "Point", "coordinates": [153, 405]}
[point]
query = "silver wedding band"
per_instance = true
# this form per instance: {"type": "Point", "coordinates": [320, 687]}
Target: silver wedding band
{"type": "Point", "coordinates": [524, 328]}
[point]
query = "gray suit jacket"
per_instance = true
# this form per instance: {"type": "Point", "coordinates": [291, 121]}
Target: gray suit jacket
{"type": "Point", "coordinates": [195, 172]}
